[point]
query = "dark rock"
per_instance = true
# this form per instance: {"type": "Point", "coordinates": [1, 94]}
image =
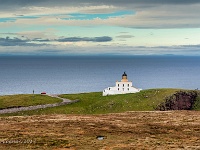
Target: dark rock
{"type": "Point", "coordinates": [182, 100]}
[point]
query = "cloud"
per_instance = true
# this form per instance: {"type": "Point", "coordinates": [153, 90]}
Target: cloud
{"type": "Point", "coordinates": [41, 40]}
{"type": "Point", "coordinates": [162, 16]}
{"type": "Point", "coordinates": [147, 13]}
{"type": "Point", "coordinates": [49, 51]}
{"type": "Point", "coordinates": [16, 42]}
{"type": "Point", "coordinates": [192, 50]}
{"type": "Point", "coordinates": [125, 36]}
{"type": "Point", "coordinates": [86, 39]}
{"type": "Point", "coordinates": [86, 5]}
{"type": "Point", "coordinates": [24, 3]}
{"type": "Point", "coordinates": [38, 41]}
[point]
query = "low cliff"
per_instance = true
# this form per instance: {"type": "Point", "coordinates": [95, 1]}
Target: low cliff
{"type": "Point", "coordinates": [181, 100]}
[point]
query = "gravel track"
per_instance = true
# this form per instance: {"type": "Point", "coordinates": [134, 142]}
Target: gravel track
{"type": "Point", "coordinates": [17, 109]}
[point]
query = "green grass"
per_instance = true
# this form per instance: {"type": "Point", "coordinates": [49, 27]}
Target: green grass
{"type": "Point", "coordinates": [95, 103]}
{"type": "Point", "coordinates": [25, 100]}
{"type": "Point", "coordinates": [197, 104]}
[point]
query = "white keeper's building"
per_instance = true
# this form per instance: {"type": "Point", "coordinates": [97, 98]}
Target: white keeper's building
{"type": "Point", "coordinates": [122, 87]}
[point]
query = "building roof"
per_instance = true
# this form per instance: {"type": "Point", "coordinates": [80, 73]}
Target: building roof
{"type": "Point", "coordinates": [124, 74]}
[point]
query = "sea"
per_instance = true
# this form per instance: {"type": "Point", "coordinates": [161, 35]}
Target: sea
{"type": "Point", "coordinates": [80, 74]}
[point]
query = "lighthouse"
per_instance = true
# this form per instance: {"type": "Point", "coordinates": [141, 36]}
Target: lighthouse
{"type": "Point", "coordinates": [122, 87]}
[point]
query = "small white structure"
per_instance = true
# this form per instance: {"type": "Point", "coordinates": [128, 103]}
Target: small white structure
{"type": "Point", "coordinates": [122, 87]}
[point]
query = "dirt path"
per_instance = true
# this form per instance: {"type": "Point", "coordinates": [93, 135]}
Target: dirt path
{"type": "Point", "coordinates": [17, 109]}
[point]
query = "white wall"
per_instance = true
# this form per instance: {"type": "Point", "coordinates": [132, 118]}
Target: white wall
{"type": "Point", "coordinates": [123, 86]}
{"type": "Point", "coordinates": [120, 88]}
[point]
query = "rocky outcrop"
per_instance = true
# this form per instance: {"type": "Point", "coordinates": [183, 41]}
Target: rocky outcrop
{"type": "Point", "coordinates": [182, 100]}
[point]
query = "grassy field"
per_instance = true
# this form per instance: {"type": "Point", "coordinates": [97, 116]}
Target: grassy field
{"type": "Point", "coordinates": [152, 130]}
{"type": "Point", "coordinates": [25, 100]}
{"type": "Point", "coordinates": [124, 121]}
{"type": "Point", "coordinates": [95, 103]}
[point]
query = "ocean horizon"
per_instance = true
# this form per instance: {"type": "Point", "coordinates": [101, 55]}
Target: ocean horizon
{"type": "Point", "coordinates": [79, 74]}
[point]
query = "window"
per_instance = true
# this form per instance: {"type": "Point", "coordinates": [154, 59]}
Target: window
{"type": "Point", "coordinates": [123, 89]}
{"type": "Point", "coordinates": [118, 85]}
{"type": "Point", "coordinates": [123, 85]}
{"type": "Point", "coordinates": [118, 89]}
{"type": "Point", "coordinates": [128, 89]}
{"type": "Point", "coordinates": [128, 85]}
{"type": "Point", "coordinates": [109, 88]}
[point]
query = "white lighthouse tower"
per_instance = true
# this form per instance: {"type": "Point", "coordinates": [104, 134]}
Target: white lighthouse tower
{"type": "Point", "coordinates": [122, 87]}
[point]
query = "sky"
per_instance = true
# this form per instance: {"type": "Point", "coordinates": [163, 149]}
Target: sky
{"type": "Point", "coordinates": [106, 27]}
